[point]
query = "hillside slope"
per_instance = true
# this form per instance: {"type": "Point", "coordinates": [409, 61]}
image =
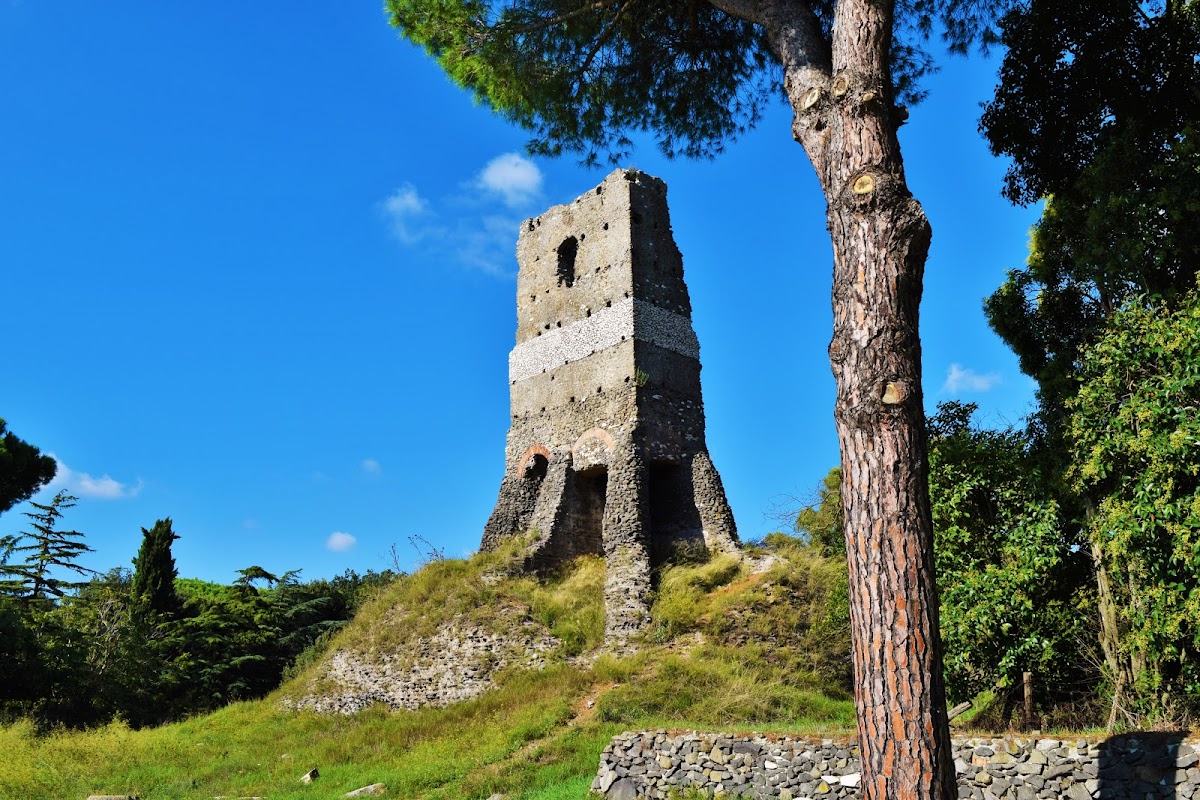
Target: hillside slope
{"type": "Point", "coordinates": [728, 649]}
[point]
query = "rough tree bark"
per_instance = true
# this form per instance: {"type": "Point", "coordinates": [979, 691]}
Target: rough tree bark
{"type": "Point", "coordinates": [840, 90]}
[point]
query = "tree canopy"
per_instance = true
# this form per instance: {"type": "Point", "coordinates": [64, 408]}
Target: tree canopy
{"type": "Point", "coordinates": [1078, 77]}
{"type": "Point", "coordinates": [1009, 575]}
{"type": "Point", "coordinates": [585, 77]}
{"type": "Point", "coordinates": [821, 521]}
{"type": "Point", "coordinates": [1098, 106]}
{"type": "Point", "coordinates": [23, 469]}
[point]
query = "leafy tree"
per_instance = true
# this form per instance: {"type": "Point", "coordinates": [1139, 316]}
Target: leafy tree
{"type": "Point", "coordinates": [1135, 433]}
{"type": "Point", "coordinates": [248, 576]}
{"type": "Point", "coordinates": [583, 76]}
{"type": "Point", "coordinates": [235, 642]}
{"type": "Point", "coordinates": [1078, 77]}
{"type": "Point", "coordinates": [23, 469]}
{"type": "Point", "coordinates": [1098, 108]}
{"type": "Point", "coordinates": [154, 570]}
{"type": "Point", "coordinates": [1124, 228]}
{"type": "Point", "coordinates": [46, 551]}
{"type": "Point", "coordinates": [822, 521]}
{"type": "Point", "coordinates": [100, 652]}
{"type": "Point", "coordinates": [101, 657]}
{"type": "Point", "coordinates": [21, 673]}
{"type": "Point", "coordinates": [1010, 577]}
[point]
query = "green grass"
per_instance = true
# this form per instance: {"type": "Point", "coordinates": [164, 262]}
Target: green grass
{"type": "Point", "coordinates": [499, 740]}
{"type": "Point", "coordinates": [529, 738]}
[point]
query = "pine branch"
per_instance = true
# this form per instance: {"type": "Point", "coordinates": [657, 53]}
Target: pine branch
{"type": "Point", "coordinates": [570, 15]}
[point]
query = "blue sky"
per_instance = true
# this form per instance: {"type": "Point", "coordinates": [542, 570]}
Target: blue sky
{"type": "Point", "coordinates": [258, 276]}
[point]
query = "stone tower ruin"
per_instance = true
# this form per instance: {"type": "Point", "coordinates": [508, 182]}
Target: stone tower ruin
{"type": "Point", "coordinates": [606, 453]}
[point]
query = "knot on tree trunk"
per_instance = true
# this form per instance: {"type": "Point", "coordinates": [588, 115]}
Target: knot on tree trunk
{"type": "Point", "coordinates": [872, 187]}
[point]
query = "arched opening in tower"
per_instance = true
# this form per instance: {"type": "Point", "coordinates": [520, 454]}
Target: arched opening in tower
{"type": "Point", "coordinates": [535, 470]}
{"type": "Point", "coordinates": [532, 479]}
{"type": "Point", "coordinates": [674, 518]}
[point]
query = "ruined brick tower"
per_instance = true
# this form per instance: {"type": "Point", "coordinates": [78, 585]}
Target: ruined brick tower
{"type": "Point", "coordinates": [606, 453]}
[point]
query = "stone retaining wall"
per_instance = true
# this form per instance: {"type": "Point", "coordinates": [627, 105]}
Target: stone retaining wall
{"type": "Point", "coordinates": [455, 664]}
{"type": "Point", "coordinates": [653, 763]}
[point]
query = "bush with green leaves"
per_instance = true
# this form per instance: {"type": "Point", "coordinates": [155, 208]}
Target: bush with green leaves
{"type": "Point", "coordinates": [85, 653]}
{"type": "Point", "coordinates": [1135, 429]}
{"type": "Point", "coordinates": [821, 521]}
{"type": "Point", "coordinates": [1013, 582]}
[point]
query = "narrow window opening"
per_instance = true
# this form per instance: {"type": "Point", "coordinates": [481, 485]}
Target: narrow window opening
{"type": "Point", "coordinates": [566, 261]}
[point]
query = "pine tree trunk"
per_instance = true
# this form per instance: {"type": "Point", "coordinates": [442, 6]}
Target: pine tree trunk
{"type": "Point", "coordinates": [879, 255]}
{"type": "Point", "coordinates": [844, 116]}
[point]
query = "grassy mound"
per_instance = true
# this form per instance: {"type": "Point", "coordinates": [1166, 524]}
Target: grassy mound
{"type": "Point", "coordinates": [727, 650]}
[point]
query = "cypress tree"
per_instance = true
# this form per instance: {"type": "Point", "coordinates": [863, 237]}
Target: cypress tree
{"type": "Point", "coordinates": [154, 570]}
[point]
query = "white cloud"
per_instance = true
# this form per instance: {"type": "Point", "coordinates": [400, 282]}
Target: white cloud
{"type": "Point", "coordinates": [960, 379]}
{"type": "Point", "coordinates": [515, 178]}
{"type": "Point", "coordinates": [86, 486]}
{"type": "Point", "coordinates": [489, 245]}
{"type": "Point", "coordinates": [475, 226]}
{"type": "Point", "coordinates": [371, 466]}
{"type": "Point", "coordinates": [340, 542]}
{"type": "Point", "coordinates": [401, 208]}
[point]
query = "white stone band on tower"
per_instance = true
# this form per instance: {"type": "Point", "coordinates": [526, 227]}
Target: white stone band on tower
{"type": "Point", "coordinates": [608, 327]}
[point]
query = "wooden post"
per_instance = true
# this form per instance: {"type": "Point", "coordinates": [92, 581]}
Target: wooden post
{"type": "Point", "coordinates": [1028, 680]}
